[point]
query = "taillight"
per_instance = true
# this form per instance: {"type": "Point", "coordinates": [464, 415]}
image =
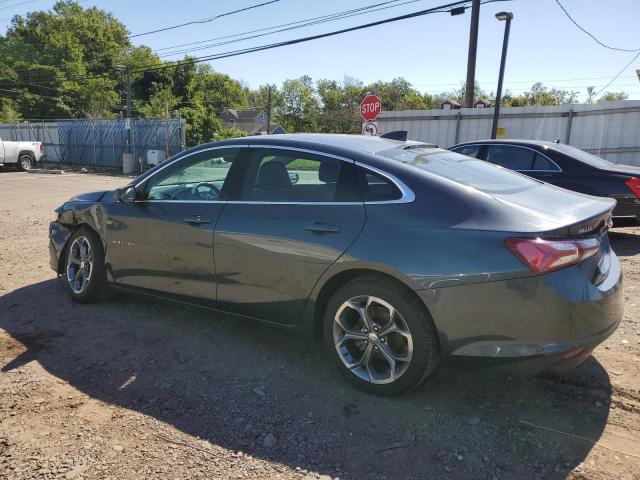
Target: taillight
{"type": "Point", "coordinates": [634, 185]}
{"type": "Point", "coordinates": [41, 148]}
{"type": "Point", "coordinates": [547, 255]}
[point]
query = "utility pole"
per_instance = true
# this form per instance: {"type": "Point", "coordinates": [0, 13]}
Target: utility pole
{"type": "Point", "coordinates": [167, 146]}
{"type": "Point", "coordinates": [127, 70]}
{"type": "Point", "coordinates": [128, 91]}
{"type": "Point", "coordinates": [269, 110]}
{"type": "Point", "coordinates": [473, 50]}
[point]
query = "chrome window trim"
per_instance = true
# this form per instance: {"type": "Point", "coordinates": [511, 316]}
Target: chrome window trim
{"type": "Point", "coordinates": [407, 194]}
{"type": "Point", "coordinates": [559, 170]}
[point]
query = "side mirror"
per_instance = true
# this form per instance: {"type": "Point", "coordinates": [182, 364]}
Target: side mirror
{"type": "Point", "coordinates": [294, 178]}
{"type": "Point", "coordinates": [125, 194]}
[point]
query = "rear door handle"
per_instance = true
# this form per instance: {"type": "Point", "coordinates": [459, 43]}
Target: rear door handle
{"type": "Point", "coordinates": [322, 227]}
{"type": "Point", "coordinates": [196, 220]}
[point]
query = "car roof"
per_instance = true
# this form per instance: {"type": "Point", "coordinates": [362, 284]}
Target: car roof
{"type": "Point", "coordinates": [359, 143]}
{"type": "Point", "coordinates": [517, 141]}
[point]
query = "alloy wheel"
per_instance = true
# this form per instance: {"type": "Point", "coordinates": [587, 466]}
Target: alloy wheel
{"type": "Point", "coordinates": [25, 163]}
{"type": "Point", "coordinates": [372, 339]}
{"type": "Point", "coordinates": [79, 265]}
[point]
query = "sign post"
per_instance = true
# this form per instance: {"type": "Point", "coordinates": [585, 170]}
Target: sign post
{"type": "Point", "coordinates": [370, 108]}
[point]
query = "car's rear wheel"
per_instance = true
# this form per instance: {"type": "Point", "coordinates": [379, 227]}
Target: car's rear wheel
{"type": "Point", "coordinates": [25, 162]}
{"type": "Point", "coordinates": [380, 335]}
{"type": "Point", "coordinates": [84, 273]}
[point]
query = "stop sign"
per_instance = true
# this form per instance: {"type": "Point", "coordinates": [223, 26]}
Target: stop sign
{"type": "Point", "coordinates": [370, 107]}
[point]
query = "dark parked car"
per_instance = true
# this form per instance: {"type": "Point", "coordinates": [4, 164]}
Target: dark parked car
{"type": "Point", "coordinates": [565, 166]}
{"type": "Point", "coordinates": [398, 254]}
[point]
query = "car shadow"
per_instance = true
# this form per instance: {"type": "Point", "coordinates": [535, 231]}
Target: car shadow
{"type": "Point", "coordinates": [624, 243]}
{"type": "Point", "coordinates": [234, 382]}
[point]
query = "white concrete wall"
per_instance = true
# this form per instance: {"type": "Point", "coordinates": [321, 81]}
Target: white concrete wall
{"type": "Point", "coordinates": [610, 130]}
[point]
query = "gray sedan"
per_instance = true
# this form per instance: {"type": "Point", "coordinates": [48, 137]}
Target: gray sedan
{"type": "Point", "coordinates": [399, 255]}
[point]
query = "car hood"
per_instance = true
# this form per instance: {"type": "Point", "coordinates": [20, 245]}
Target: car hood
{"type": "Point", "coordinates": [89, 196]}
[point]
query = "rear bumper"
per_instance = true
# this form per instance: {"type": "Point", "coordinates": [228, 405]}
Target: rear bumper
{"type": "Point", "coordinates": [527, 325]}
{"type": "Point", "coordinates": [58, 236]}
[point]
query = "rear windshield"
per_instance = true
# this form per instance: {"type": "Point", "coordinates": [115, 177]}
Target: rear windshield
{"type": "Point", "coordinates": [468, 171]}
{"type": "Point", "coordinates": [582, 156]}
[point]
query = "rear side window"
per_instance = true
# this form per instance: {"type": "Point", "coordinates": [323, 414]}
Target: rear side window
{"type": "Point", "coordinates": [541, 162]}
{"type": "Point", "coordinates": [462, 169]}
{"type": "Point", "coordinates": [376, 188]}
{"type": "Point", "coordinates": [469, 150]}
{"type": "Point", "coordinates": [512, 157]}
{"type": "Point", "coordinates": [289, 176]}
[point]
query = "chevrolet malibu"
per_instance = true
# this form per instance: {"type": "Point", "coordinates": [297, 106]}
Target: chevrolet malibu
{"type": "Point", "coordinates": [399, 255]}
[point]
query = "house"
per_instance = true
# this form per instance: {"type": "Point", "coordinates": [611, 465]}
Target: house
{"type": "Point", "coordinates": [252, 121]}
{"type": "Point", "coordinates": [449, 104]}
{"type": "Point", "coordinates": [481, 103]}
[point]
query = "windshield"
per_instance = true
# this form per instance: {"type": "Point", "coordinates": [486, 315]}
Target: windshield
{"type": "Point", "coordinates": [582, 156]}
{"type": "Point", "coordinates": [465, 170]}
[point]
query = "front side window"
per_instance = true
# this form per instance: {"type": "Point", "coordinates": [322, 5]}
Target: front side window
{"type": "Point", "coordinates": [290, 176]}
{"type": "Point", "coordinates": [201, 176]}
{"type": "Point", "coordinates": [512, 157]}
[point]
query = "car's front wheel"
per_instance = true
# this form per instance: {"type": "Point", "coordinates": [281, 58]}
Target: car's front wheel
{"type": "Point", "coordinates": [380, 335]}
{"type": "Point", "coordinates": [84, 274]}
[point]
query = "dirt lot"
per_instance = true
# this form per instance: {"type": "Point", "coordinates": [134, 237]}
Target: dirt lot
{"type": "Point", "coordinates": [133, 389]}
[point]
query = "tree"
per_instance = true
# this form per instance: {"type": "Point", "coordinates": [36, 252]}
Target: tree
{"type": "Point", "coordinates": [340, 105]}
{"type": "Point", "coordinates": [541, 95]}
{"type": "Point", "coordinates": [55, 49]}
{"type": "Point", "coordinates": [160, 103]}
{"type": "Point", "coordinates": [613, 96]}
{"type": "Point", "coordinates": [97, 97]}
{"type": "Point", "coordinates": [8, 112]}
{"type": "Point", "coordinates": [300, 105]}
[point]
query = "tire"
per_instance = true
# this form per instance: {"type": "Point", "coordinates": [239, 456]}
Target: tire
{"type": "Point", "coordinates": [412, 344]}
{"type": "Point", "coordinates": [25, 162]}
{"type": "Point", "coordinates": [84, 275]}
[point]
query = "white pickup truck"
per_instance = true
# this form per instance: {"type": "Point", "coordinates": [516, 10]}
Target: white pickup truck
{"type": "Point", "coordinates": [23, 154]}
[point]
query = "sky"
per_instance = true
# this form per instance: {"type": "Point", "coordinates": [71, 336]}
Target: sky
{"type": "Point", "coordinates": [429, 51]}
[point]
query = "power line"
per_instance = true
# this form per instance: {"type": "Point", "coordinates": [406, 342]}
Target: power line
{"type": "Point", "coordinates": [305, 22]}
{"type": "Point", "coordinates": [167, 65]}
{"type": "Point", "coordinates": [593, 36]}
{"type": "Point", "coordinates": [28, 83]}
{"type": "Point", "coordinates": [206, 20]}
{"type": "Point", "coordinates": [438, 9]}
{"type": "Point", "coordinates": [288, 26]}
{"type": "Point", "coordinates": [29, 93]}
{"type": "Point", "coordinates": [17, 4]}
{"type": "Point", "coordinates": [619, 73]}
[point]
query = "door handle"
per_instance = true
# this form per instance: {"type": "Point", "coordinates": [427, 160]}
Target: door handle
{"type": "Point", "coordinates": [196, 220]}
{"type": "Point", "coordinates": [322, 227]}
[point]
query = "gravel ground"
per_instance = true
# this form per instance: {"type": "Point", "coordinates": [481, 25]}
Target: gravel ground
{"type": "Point", "coordinates": [134, 389]}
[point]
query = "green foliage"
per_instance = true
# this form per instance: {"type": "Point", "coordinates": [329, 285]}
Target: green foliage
{"type": "Point", "coordinates": [302, 164]}
{"type": "Point", "coordinates": [613, 96]}
{"type": "Point", "coordinates": [540, 95]}
{"type": "Point", "coordinates": [8, 112]}
{"type": "Point", "coordinates": [300, 105]}
{"type": "Point", "coordinates": [227, 133]}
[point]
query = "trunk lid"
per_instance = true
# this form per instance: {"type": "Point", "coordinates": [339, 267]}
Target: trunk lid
{"type": "Point", "coordinates": [560, 212]}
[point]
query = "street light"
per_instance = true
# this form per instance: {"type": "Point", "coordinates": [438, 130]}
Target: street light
{"type": "Point", "coordinates": [502, 16]}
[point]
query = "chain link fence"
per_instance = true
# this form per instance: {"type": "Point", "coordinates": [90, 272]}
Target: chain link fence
{"type": "Point", "coordinates": [100, 141]}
